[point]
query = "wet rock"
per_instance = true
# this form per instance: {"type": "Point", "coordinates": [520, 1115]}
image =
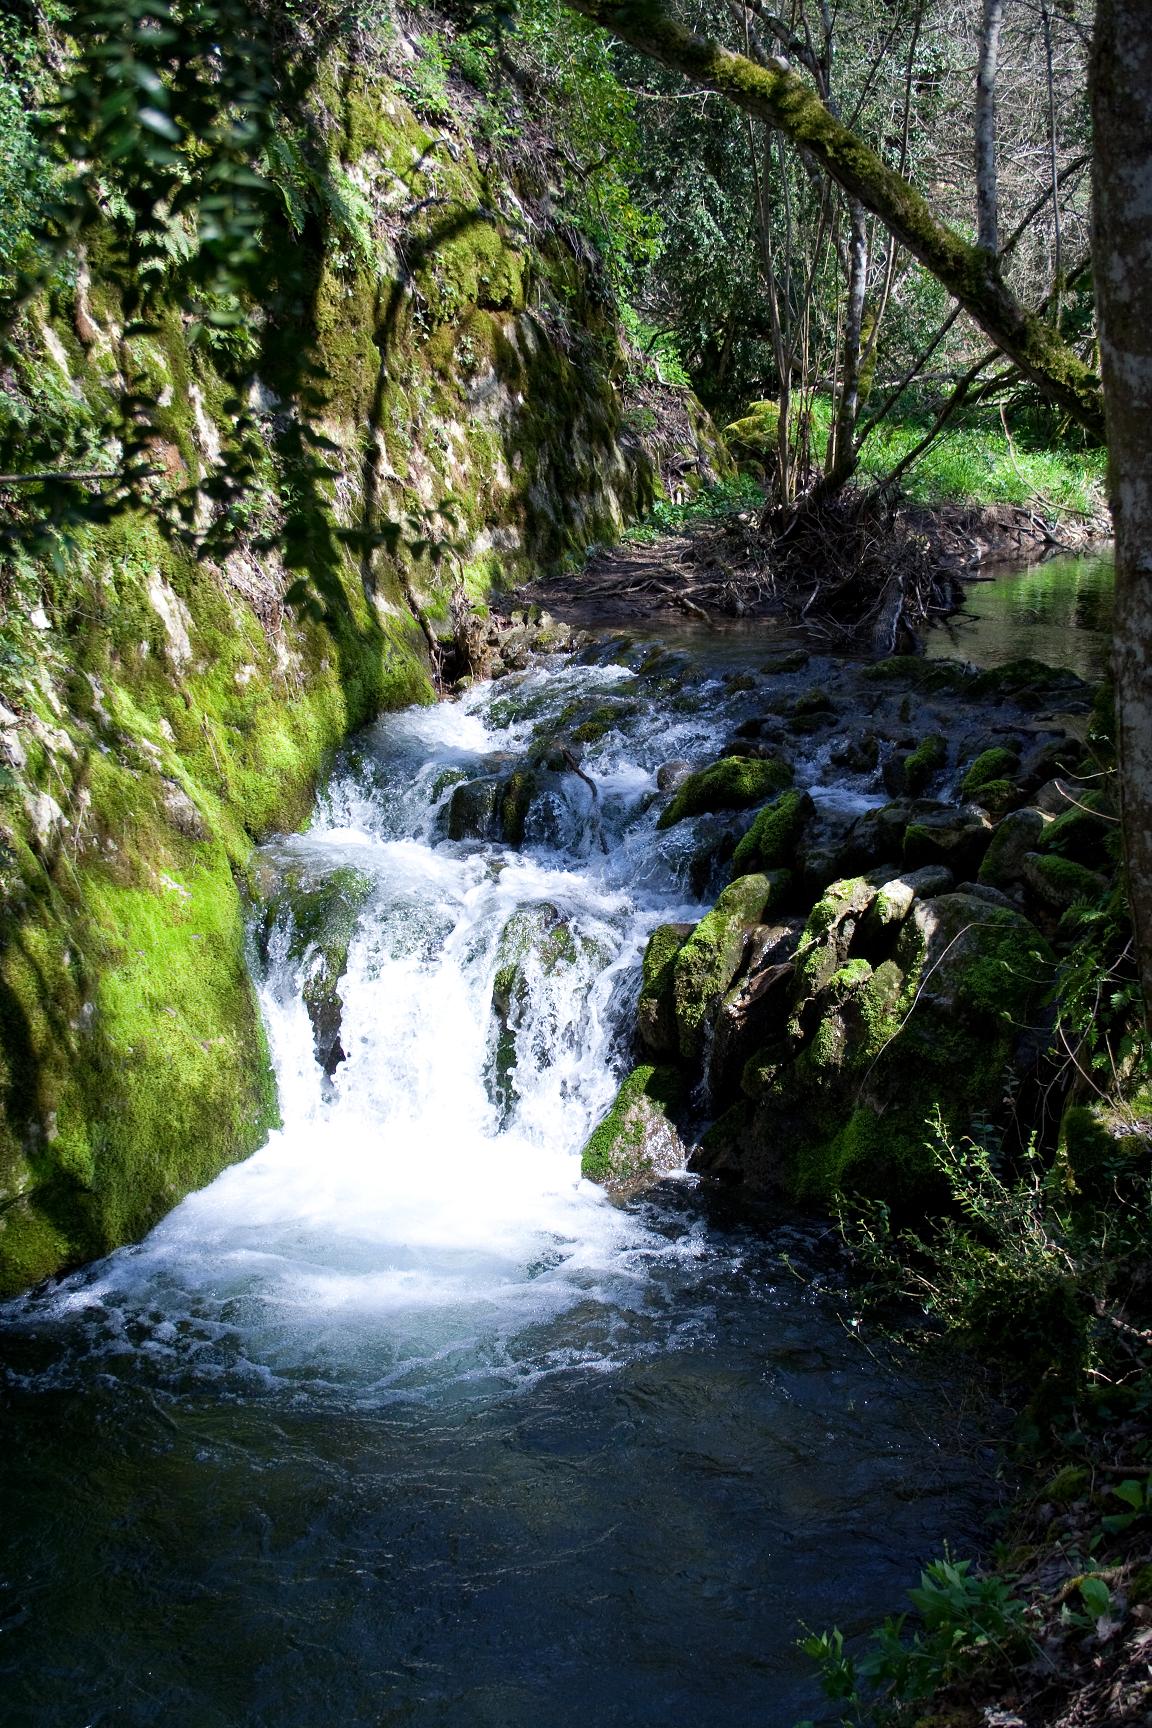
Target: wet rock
{"type": "Point", "coordinates": [1017, 834]}
{"type": "Point", "coordinates": [637, 1141]}
{"type": "Point", "coordinates": [954, 835]}
{"type": "Point", "coordinates": [656, 1008]}
{"type": "Point", "coordinates": [322, 918]}
{"type": "Point", "coordinates": [733, 783]}
{"type": "Point", "coordinates": [672, 775]}
{"type": "Point", "coordinates": [473, 811]}
{"type": "Point", "coordinates": [857, 755]}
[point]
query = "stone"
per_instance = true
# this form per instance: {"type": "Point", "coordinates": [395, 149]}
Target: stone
{"type": "Point", "coordinates": [954, 835]}
{"type": "Point", "coordinates": [733, 783]}
{"type": "Point", "coordinates": [1015, 836]}
{"type": "Point", "coordinates": [637, 1142]}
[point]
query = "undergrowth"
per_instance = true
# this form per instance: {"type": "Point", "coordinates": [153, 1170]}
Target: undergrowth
{"type": "Point", "coordinates": [710, 504]}
{"type": "Point", "coordinates": [1037, 1265]}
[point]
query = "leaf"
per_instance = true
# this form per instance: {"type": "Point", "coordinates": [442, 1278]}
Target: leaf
{"type": "Point", "coordinates": [1097, 1597]}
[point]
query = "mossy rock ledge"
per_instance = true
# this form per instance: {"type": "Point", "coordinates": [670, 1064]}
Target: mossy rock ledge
{"type": "Point", "coordinates": [164, 713]}
{"type": "Point", "coordinates": [896, 1000]}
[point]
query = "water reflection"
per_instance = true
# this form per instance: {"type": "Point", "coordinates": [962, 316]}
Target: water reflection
{"type": "Point", "coordinates": [1059, 612]}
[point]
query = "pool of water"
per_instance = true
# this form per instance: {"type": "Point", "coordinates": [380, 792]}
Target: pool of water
{"type": "Point", "coordinates": [1059, 612]}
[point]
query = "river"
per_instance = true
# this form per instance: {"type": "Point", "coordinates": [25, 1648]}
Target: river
{"type": "Point", "coordinates": [400, 1421]}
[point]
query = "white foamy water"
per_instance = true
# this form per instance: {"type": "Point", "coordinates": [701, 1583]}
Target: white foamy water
{"type": "Point", "coordinates": [421, 1212]}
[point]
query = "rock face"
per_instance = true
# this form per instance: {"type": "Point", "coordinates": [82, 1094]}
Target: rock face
{"type": "Point", "coordinates": [179, 709]}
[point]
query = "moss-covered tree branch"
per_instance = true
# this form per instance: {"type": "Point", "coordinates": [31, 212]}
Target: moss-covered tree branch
{"type": "Point", "coordinates": [783, 100]}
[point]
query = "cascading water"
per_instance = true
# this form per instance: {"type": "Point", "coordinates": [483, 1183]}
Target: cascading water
{"type": "Point", "coordinates": [401, 1421]}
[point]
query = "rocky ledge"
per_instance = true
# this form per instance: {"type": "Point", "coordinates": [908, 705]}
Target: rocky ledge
{"type": "Point", "coordinates": [881, 959]}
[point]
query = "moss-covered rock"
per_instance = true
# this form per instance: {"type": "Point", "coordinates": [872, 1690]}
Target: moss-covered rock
{"type": "Point", "coordinates": [710, 958]}
{"type": "Point", "coordinates": [1016, 835]}
{"type": "Point", "coordinates": [923, 763]}
{"type": "Point", "coordinates": [753, 439]}
{"type": "Point", "coordinates": [322, 918]}
{"type": "Point", "coordinates": [874, 1047]}
{"type": "Point", "coordinates": [956, 836]}
{"type": "Point", "coordinates": [637, 1141]}
{"type": "Point", "coordinates": [771, 841]}
{"type": "Point", "coordinates": [656, 1008]}
{"type": "Point", "coordinates": [1059, 882]}
{"type": "Point", "coordinates": [988, 768]}
{"type": "Point", "coordinates": [733, 783]}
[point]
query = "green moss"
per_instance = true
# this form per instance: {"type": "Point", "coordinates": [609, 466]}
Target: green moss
{"type": "Point", "coordinates": [771, 841]}
{"type": "Point", "coordinates": [990, 766]}
{"type": "Point", "coordinates": [929, 756]}
{"type": "Point", "coordinates": [734, 783]}
{"type": "Point", "coordinates": [702, 972]}
{"type": "Point", "coordinates": [516, 797]}
{"type": "Point", "coordinates": [1065, 882]}
{"type": "Point", "coordinates": [997, 796]}
{"type": "Point", "coordinates": [1067, 1485]}
{"type": "Point", "coordinates": [1086, 832]}
{"type": "Point", "coordinates": [633, 1141]}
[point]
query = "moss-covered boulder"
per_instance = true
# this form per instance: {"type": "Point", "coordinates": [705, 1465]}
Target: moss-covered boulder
{"type": "Point", "coordinates": [707, 963]}
{"type": "Point", "coordinates": [988, 767]}
{"type": "Point", "coordinates": [923, 763]}
{"type": "Point", "coordinates": [753, 439]}
{"type": "Point", "coordinates": [733, 783]}
{"type": "Point", "coordinates": [637, 1141]}
{"type": "Point", "coordinates": [1016, 835]}
{"type": "Point", "coordinates": [841, 1101]}
{"type": "Point", "coordinates": [771, 841]}
{"type": "Point", "coordinates": [1058, 882]}
{"type": "Point", "coordinates": [755, 1010]}
{"type": "Point", "coordinates": [1085, 830]}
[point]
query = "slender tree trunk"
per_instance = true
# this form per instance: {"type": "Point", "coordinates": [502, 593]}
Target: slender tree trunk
{"type": "Point", "coordinates": [1122, 253]}
{"type": "Point", "coordinates": [987, 171]}
{"type": "Point", "coordinates": [842, 453]}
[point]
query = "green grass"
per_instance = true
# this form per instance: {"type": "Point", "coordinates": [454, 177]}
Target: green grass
{"type": "Point", "coordinates": [973, 463]}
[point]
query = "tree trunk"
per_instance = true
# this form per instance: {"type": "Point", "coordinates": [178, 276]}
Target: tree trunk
{"type": "Point", "coordinates": [842, 444]}
{"type": "Point", "coordinates": [987, 173]}
{"type": "Point", "coordinates": [784, 101]}
{"type": "Point", "coordinates": [1122, 252]}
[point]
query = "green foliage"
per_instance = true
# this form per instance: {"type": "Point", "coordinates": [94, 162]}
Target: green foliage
{"type": "Point", "coordinates": [654, 352]}
{"type": "Point", "coordinates": [965, 1621]}
{"type": "Point", "coordinates": [591, 111]}
{"type": "Point", "coordinates": [710, 504]}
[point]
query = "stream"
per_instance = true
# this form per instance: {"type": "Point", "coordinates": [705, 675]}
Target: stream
{"type": "Point", "coordinates": [402, 1422]}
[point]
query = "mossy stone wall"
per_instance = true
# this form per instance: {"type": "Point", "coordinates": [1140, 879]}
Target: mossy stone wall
{"type": "Point", "coordinates": [160, 713]}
